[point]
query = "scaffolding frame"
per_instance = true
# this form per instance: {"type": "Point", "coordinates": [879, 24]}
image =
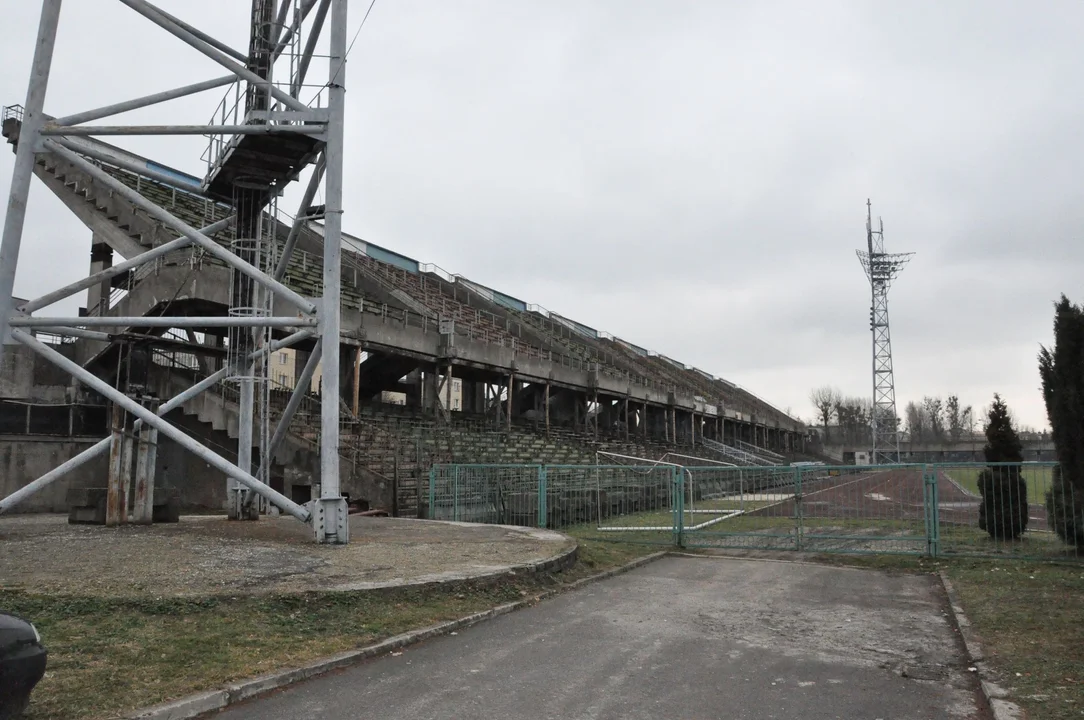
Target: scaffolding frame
{"type": "Point", "coordinates": [284, 115]}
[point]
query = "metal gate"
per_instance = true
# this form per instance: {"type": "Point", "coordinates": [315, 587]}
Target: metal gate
{"type": "Point", "coordinates": [874, 509]}
{"type": "Point", "coordinates": [934, 509]}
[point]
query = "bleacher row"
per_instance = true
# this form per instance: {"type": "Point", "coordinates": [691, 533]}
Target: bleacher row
{"type": "Point", "coordinates": [402, 444]}
{"type": "Point", "coordinates": [529, 332]}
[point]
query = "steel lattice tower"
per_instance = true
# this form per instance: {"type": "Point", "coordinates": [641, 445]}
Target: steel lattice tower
{"type": "Point", "coordinates": [261, 138]}
{"type": "Point", "coordinates": [881, 269]}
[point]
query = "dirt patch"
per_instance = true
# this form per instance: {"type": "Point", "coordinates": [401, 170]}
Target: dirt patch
{"type": "Point", "coordinates": [204, 555]}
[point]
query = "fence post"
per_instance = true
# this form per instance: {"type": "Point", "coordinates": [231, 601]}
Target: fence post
{"type": "Point", "coordinates": [678, 481]}
{"type": "Point", "coordinates": [798, 508]}
{"type": "Point", "coordinates": [431, 511]}
{"type": "Point", "coordinates": [455, 496]}
{"type": "Point", "coordinates": [542, 512]}
{"type": "Point", "coordinates": [933, 520]}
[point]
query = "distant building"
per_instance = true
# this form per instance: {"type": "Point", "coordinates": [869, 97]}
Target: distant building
{"type": "Point", "coordinates": [283, 369]}
{"type": "Point", "coordinates": [457, 395]}
{"type": "Point", "coordinates": [390, 397]}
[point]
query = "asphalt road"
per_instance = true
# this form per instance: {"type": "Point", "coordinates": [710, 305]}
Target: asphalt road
{"type": "Point", "coordinates": [679, 638]}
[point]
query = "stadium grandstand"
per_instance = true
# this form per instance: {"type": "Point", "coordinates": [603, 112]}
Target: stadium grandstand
{"type": "Point", "coordinates": [531, 386]}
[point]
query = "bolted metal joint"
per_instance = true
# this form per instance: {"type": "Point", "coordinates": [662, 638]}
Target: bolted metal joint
{"type": "Point", "coordinates": [331, 521]}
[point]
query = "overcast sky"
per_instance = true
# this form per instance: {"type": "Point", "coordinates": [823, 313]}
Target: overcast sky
{"type": "Point", "coordinates": [691, 176]}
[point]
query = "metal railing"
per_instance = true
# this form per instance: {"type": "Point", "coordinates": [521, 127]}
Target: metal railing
{"type": "Point", "coordinates": [1002, 510]}
{"type": "Point", "coordinates": [231, 111]}
{"type": "Point", "coordinates": [20, 417]}
{"type": "Point", "coordinates": [757, 450]}
{"type": "Point", "coordinates": [737, 455]}
{"type": "Point", "coordinates": [10, 112]}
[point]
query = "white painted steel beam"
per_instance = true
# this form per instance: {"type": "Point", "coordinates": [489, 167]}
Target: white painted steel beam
{"type": "Point", "coordinates": [149, 418]}
{"type": "Point", "coordinates": [165, 408]}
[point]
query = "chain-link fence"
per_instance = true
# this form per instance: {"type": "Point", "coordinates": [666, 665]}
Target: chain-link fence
{"type": "Point", "coordinates": [1008, 510]}
{"type": "Point", "coordinates": [618, 502]}
{"type": "Point", "coordinates": [1024, 510]}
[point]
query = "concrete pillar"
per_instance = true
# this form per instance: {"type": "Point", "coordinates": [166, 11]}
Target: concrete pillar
{"type": "Point", "coordinates": [547, 404]}
{"type": "Point", "coordinates": [478, 394]}
{"type": "Point", "coordinates": [357, 382]}
{"type": "Point", "coordinates": [346, 373]}
{"type": "Point", "coordinates": [511, 384]}
{"type": "Point", "coordinates": [414, 387]}
{"type": "Point", "coordinates": [448, 388]}
{"type": "Point", "coordinates": [143, 506]}
{"type": "Point", "coordinates": [598, 410]}
{"type": "Point", "coordinates": [114, 501]}
{"type": "Point", "coordinates": [101, 258]}
{"type": "Point", "coordinates": [429, 390]}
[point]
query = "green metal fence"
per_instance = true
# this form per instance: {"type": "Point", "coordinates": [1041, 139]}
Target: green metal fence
{"type": "Point", "coordinates": [615, 502]}
{"type": "Point", "coordinates": [1005, 510]}
{"type": "Point", "coordinates": [820, 509]}
{"type": "Point", "coordinates": [956, 509]}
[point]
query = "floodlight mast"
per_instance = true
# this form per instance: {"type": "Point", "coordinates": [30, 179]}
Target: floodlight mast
{"type": "Point", "coordinates": [261, 139]}
{"type": "Point", "coordinates": [881, 269]}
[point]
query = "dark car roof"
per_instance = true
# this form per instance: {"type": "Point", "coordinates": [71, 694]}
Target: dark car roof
{"type": "Point", "coordinates": [12, 622]}
{"type": "Point", "coordinates": [15, 632]}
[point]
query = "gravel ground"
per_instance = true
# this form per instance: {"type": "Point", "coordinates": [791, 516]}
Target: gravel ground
{"type": "Point", "coordinates": [205, 555]}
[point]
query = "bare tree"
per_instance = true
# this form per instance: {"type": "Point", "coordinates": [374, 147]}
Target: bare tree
{"type": "Point", "coordinates": [958, 419]}
{"type": "Point", "coordinates": [853, 415]}
{"type": "Point", "coordinates": [918, 424]}
{"type": "Point", "coordinates": [825, 399]}
{"type": "Point", "coordinates": [934, 415]}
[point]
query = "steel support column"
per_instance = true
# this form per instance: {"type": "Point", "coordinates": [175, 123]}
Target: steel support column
{"type": "Point", "coordinates": [33, 118]}
{"type": "Point", "coordinates": [237, 505]}
{"type": "Point", "coordinates": [331, 521]}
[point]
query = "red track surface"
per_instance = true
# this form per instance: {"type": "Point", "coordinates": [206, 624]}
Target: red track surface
{"type": "Point", "coordinates": [884, 495]}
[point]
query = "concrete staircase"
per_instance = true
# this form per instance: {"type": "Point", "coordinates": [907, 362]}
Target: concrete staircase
{"type": "Point", "coordinates": [297, 459]}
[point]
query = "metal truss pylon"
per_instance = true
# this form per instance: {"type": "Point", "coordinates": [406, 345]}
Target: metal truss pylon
{"type": "Point", "coordinates": [283, 115]}
{"type": "Point", "coordinates": [881, 269]}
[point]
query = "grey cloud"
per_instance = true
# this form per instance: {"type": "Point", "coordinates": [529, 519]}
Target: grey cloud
{"type": "Point", "coordinates": [690, 176]}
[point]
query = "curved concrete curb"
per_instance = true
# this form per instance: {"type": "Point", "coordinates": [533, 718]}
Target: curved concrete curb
{"type": "Point", "coordinates": [563, 560]}
{"type": "Point", "coordinates": [995, 694]}
{"type": "Point", "coordinates": [198, 705]}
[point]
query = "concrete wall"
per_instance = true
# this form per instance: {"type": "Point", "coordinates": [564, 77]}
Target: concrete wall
{"type": "Point", "coordinates": [25, 458]}
{"type": "Point", "coordinates": [24, 375]}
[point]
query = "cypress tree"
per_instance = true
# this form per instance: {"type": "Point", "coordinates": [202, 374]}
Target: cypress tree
{"type": "Point", "coordinates": [1062, 372]}
{"type": "Point", "coordinates": [1003, 511]}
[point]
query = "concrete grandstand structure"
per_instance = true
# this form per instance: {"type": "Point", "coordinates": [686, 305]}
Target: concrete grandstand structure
{"type": "Point", "coordinates": [535, 386]}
